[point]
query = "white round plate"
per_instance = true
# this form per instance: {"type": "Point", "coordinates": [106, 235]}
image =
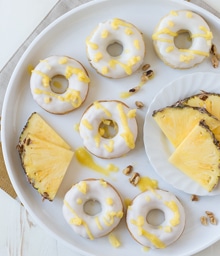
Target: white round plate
{"type": "Point", "coordinates": [66, 36]}
{"type": "Point", "coordinates": [158, 147]}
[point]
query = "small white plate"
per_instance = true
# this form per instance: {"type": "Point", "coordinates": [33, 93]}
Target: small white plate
{"type": "Point", "coordinates": [157, 146]}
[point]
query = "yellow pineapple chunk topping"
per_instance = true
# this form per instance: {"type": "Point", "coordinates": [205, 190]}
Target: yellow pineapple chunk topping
{"type": "Point", "coordinates": [198, 156]}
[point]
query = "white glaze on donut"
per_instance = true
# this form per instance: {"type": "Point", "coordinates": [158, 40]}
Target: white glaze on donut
{"type": "Point", "coordinates": [70, 69]}
{"type": "Point", "coordinates": [168, 29]}
{"type": "Point", "coordinates": [120, 114]}
{"type": "Point", "coordinates": [156, 236]}
{"type": "Point", "coordinates": [116, 31]}
{"type": "Point", "coordinates": [103, 222]}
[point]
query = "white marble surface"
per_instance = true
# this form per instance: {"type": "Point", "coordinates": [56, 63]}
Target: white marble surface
{"type": "Point", "coordinates": [19, 235]}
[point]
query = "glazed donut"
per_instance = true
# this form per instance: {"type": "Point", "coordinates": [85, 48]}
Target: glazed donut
{"type": "Point", "coordinates": [170, 27]}
{"type": "Point", "coordinates": [68, 68]}
{"type": "Point", "coordinates": [96, 122]}
{"type": "Point", "coordinates": [108, 33]}
{"type": "Point", "coordinates": [154, 236]}
{"type": "Point", "coordinates": [101, 223]}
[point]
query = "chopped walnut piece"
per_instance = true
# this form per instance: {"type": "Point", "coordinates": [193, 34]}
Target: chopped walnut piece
{"type": "Point", "coordinates": [139, 104]}
{"type": "Point", "coordinates": [146, 67]}
{"type": "Point", "coordinates": [128, 170]}
{"type": "Point", "coordinates": [194, 198]}
{"type": "Point", "coordinates": [211, 217]}
{"type": "Point", "coordinates": [215, 62]}
{"type": "Point", "coordinates": [135, 178]}
{"type": "Point", "coordinates": [203, 220]}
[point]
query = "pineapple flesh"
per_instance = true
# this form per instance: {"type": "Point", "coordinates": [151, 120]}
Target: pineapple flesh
{"type": "Point", "coordinates": [207, 100]}
{"type": "Point", "coordinates": [37, 125]}
{"type": "Point", "coordinates": [198, 156]}
{"type": "Point", "coordinates": [177, 121]}
{"type": "Point", "coordinates": [45, 156]}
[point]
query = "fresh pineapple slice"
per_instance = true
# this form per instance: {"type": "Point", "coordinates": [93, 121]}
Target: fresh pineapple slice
{"type": "Point", "coordinates": [38, 127]}
{"type": "Point", "coordinates": [207, 100]}
{"type": "Point", "coordinates": [45, 164]}
{"type": "Point", "coordinates": [198, 156]}
{"type": "Point", "coordinates": [177, 121]}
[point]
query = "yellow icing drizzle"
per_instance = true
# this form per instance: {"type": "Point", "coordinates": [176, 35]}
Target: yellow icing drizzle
{"type": "Point", "coordinates": [47, 99]}
{"type": "Point", "coordinates": [105, 70]}
{"type": "Point", "coordinates": [110, 146]}
{"type": "Point", "coordinates": [92, 45]}
{"type": "Point", "coordinates": [98, 57]}
{"type": "Point", "coordinates": [207, 35]}
{"type": "Point", "coordinates": [127, 67]}
{"type": "Point", "coordinates": [151, 237]}
{"type": "Point", "coordinates": [86, 159]}
{"type": "Point", "coordinates": [176, 218]}
{"type": "Point", "coordinates": [109, 201]}
{"type": "Point", "coordinates": [137, 44]}
{"type": "Point", "coordinates": [186, 58]}
{"type": "Point", "coordinates": [98, 105]}
{"type": "Point", "coordinates": [173, 13]}
{"type": "Point", "coordinates": [117, 22]}
{"type": "Point", "coordinates": [79, 220]}
{"type": "Point", "coordinates": [145, 183]}
{"type": "Point", "coordinates": [46, 63]}
{"type": "Point", "coordinates": [109, 218]}
{"type": "Point", "coordinates": [104, 34]}
{"type": "Point", "coordinates": [189, 15]}
{"type": "Point", "coordinates": [63, 60]}
{"type": "Point", "coordinates": [127, 134]}
{"type": "Point", "coordinates": [87, 124]}
{"type": "Point", "coordinates": [71, 96]}
{"type": "Point", "coordinates": [30, 68]}
{"type": "Point", "coordinates": [128, 31]}
{"type": "Point", "coordinates": [82, 187]}
{"type": "Point", "coordinates": [132, 113]}
{"type": "Point", "coordinates": [169, 48]}
{"type": "Point", "coordinates": [98, 223]}
{"type": "Point", "coordinates": [45, 78]}
{"type": "Point", "coordinates": [81, 75]}
{"type": "Point", "coordinates": [79, 201]}
{"type": "Point", "coordinates": [195, 52]}
{"type": "Point", "coordinates": [170, 23]}
{"type": "Point", "coordinates": [114, 241]}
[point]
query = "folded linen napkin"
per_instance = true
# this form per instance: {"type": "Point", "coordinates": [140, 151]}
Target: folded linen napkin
{"type": "Point", "coordinates": [60, 8]}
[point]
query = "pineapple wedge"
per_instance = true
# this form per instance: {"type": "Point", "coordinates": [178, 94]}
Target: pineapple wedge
{"type": "Point", "coordinates": [177, 121]}
{"type": "Point", "coordinates": [207, 100]}
{"type": "Point", "coordinates": [45, 156]}
{"type": "Point", "coordinates": [37, 126]}
{"type": "Point", "coordinates": [198, 156]}
{"type": "Point", "coordinates": [45, 164]}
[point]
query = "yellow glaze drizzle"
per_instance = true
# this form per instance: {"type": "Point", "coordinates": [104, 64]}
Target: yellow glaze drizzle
{"type": "Point", "coordinates": [117, 22]}
{"type": "Point", "coordinates": [146, 183]}
{"type": "Point", "coordinates": [45, 78]}
{"type": "Point", "coordinates": [87, 124]}
{"type": "Point", "coordinates": [98, 105]}
{"type": "Point", "coordinates": [98, 223]}
{"type": "Point", "coordinates": [81, 75]}
{"type": "Point", "coordinates": [104, 34]}
{"type": "Point", "coordinates": [98, 57]}
{"type": "Point", "coordinates": [78, 221]}
{"type": "Point", "coordinates": [176, 218]}
{"type": "Point", "coordinates": [142, 232]}
{"type": "Point", "coordinates": [132, 113]}
{"type": "Point", "coordinates": [137, 44]}
{"type": "Point", "coordinates": [109, 201]}
{"type": "Point", "coordinates": [86, 159]}
{"type": "Point", "coordinates": [82, 187]}
{"type": "Point", "coordinates": [114, 241]}
{"type": "Point", "coordinates": [110, 146]}
{"type": "Point", "coordinates": [127, 134]}
{"type": "Point", "coordinates": [63, 60]}
{"type": "Point", "coordinates": [128, 31]}
{"type": "Point", "coordinates": [92, 45]}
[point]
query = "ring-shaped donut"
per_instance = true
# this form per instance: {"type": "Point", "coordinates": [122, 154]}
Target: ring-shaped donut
{"type": "Point", "coordinates": [69, 69]}
{"type": "Point", "coordinates": [103, 222]}
{"type": "Point", "coordinates": [125, 34]}
{"type": "Point", "coordinates": [125, 123]}
{"type": "Point", "coordinates": [154, 236]}
{"type": "Point", "coordinates": [170, 27]}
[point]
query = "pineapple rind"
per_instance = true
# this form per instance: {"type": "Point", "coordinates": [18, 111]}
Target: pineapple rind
{"type": "Point", "coordinates": [177, 121]}
{"type": "Point", "coordinates": [37, 126]}
{"type": "Point", "coordinates": [45, 164]}
{"type": "Point", "coordinates": [198, 156]}
{"type": "Point", "coordinates": [207, 100]}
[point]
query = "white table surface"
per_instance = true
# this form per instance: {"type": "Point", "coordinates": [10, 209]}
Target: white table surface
{"type": "Point", "coordinates": [19, 235]}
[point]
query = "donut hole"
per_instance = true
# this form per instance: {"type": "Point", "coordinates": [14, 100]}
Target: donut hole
{"type": "Point", "coordinates": [183, 39]}
{"type": "Point", "coordinates": [108, 129]}
{"type": "Point", "coordinates": [59, 84]}
{"type": "Point", "coordinates": [155, 217]}
{"type": "Point", "coordinates": [92, 207]}
{"type": "Point", "coordinates": [115, 49]}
